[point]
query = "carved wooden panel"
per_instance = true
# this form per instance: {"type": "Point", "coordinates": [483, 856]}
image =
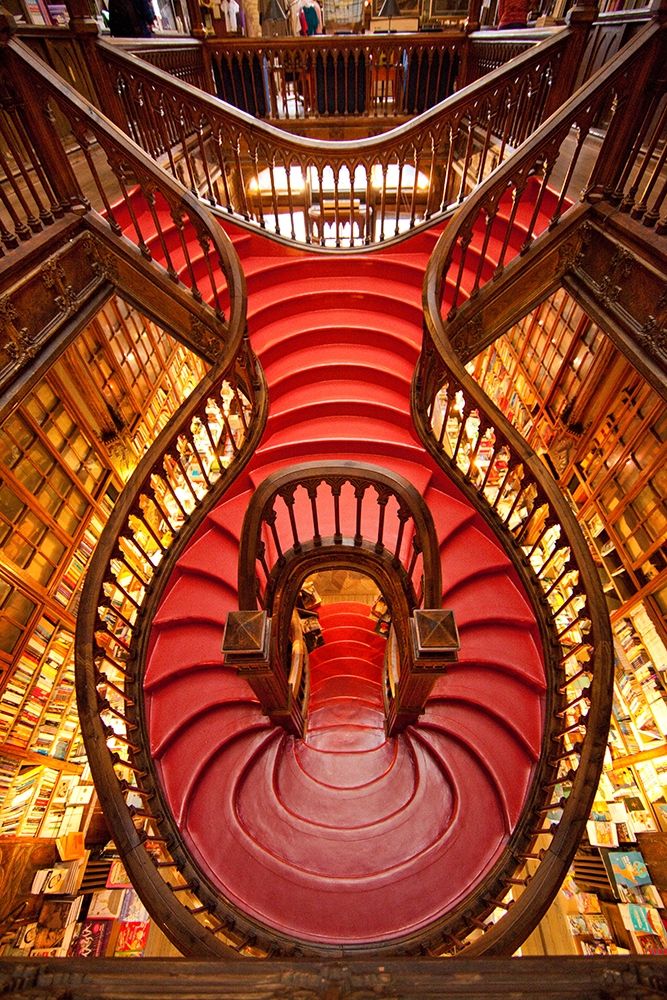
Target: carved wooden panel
{"type": "Point", "coordinates": [39, 302]}
{"type": "Point", "coordinates": [628, 283]}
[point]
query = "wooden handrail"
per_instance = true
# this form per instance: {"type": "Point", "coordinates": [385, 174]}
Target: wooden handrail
{"type": "Point", "coordinates": [514, 491]}
{"type": "Point", "coordinates": [526, 183]}
{"type": "Point", "coordinates": [57, 149]}
{"type": "Point", "coordinates": [313, 516]}
{"type": "Point", "coordinates": [402, 517]}
{"type": "Point", "coordinates": [338, 194]}
{"type": "Point", "coordinates": [190, 464]}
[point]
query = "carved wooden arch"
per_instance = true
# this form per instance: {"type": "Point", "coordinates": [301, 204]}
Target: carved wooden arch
{"type": "Point", "coordinates": [287, 580]}
{"type": "Point", "coordinates": [310, 475]}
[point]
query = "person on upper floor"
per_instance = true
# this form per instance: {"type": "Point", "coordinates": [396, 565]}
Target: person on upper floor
{"type": "Point", "coordinates": [513, 13]}
{"type": "Point", "coordinates": [131, 18]}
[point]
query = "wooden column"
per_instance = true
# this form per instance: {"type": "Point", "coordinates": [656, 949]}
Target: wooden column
{"type": "Point", "coordinates": [579, 20]}
{"type": "Point", "coordinates": [247, 646]}
{"type": "Point", "coordinates": [434, 643]}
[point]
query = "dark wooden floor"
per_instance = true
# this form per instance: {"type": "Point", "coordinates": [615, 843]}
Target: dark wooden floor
{"type": "Point", "coordinates": [561, 978]}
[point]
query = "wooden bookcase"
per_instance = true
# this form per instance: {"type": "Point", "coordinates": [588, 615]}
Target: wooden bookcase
{"type": "Point", "coordinates": [65, 453]}
{"type": "Point", "coordinates": [602, 430]}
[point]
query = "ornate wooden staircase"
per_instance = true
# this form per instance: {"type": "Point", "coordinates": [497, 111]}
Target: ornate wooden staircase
{"type": "Point", "coordinates": [206, 795]}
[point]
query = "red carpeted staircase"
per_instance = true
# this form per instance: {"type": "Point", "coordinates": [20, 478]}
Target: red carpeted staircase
{"type": "Point", "coordinates": [346, 837]}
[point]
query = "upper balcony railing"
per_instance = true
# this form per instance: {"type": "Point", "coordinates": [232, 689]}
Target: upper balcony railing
{"type": "Point", "coordinates": [59, 159]}
{"type": "Point", "coordinates": [289, 80]}
{"type": "Point", "coordinates": [340, 194]}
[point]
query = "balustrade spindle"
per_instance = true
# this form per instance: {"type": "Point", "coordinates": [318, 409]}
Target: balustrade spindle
{"type": "Point", "coordinates": [312, 494]}
{"type": "Point", "coordinates": [289, 501]}
{"type": "Point", "coordinates": [382, 501]}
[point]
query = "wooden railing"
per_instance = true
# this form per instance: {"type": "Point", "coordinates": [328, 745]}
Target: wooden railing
{"type": "Point", "coordinates": [341, 504]}
{"type": "Point", "coordinates": [541, 184]}
{"type": "Point", "coordinates": [312, 517]}
{"type": "Point", "coordinates": [510, 485]}
{"type": "Point", "coordinates": [183, 58]}
{"type": "Point", "coordinates": [58, 157]}
{"type": "Point", "coordinates": [617, 977]}
{"type": "Point", "coordinates": [192, 462]}
{"type": "Point", "coordinates": [514, 492]}
{"type": "Point", "coordinates": [359, 76]}
{"type": "Point", "coordinates": [490, 50]}
{"type": "Point", "coordinates": [340, 194]}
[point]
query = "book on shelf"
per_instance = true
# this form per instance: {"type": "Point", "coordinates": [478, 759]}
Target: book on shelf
{"type": "Point", "coordinates": [55, 925]}
{"type": "Point", "coordinates": [602, 833]}
{"type": "Point", "coordinates": [132, 909]}
{"type": "Point", "coordinates": [106, 904]}
{"type": "Point", "coordinates": [646, 928]}
{"type": "Point", "coordinates": [132, 938]}
{"type": "Point", "coordinates": [93, 939]}
{"type": "Point", "coordinates": [63, 879]}
{"type": "Point", "coordinates": [118, 877]}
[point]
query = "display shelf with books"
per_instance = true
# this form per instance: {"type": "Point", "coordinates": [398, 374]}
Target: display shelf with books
{"type": "Point", "coordinates": [65, 452]}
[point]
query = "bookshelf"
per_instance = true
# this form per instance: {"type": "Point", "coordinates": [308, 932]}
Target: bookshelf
{"type": "Point", "coordinates": [65, 452]}
{"type": "Point", "coordinates": [601, 430]}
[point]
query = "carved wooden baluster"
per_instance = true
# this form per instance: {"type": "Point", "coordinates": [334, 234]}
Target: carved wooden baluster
{"type": "Point", "coordinates": [287, 167]}
{"type": "Point", "coordinates": [403, 517]}
{"type": "Point", "coordinates": [319, 170]}
{"type": "Point", "coordinates": [469, 135]}
{"type": "Point", "coordinates": [399, 196]}
{"type": "Point", "coordinates": [21, 229]}
{"type": "Point", "coordinates": [449, 397]}
{"type": "Point", "coordinates": [32, 162]}
{"type": "Point", "coordinates": [448, 179]}
{"type": "Point", "coordinates": [275, 208]}
{"type": "Point", "coordinates": [369, 207]}
{"type": "Point", "coordinates": [382, 501]}
{"type": "Point", "coordinates": [311, 489]}
{"type": "Point", "coordinates": [270, 519]}
{"type": "Point", "coordinates": [643, 161]}
{"type": "Point", "coordinates": [289, 501]}
{"type": "Point", "coordinates": [359, 493]}
{"type": "Point", "coordinates": [517, 191]}
{"type": "Point", "coordinates": [464, 239]}
{"type": "Point", "coordinates": [383, 201]}
{"type": "Point", "coordinates": [336, 486]}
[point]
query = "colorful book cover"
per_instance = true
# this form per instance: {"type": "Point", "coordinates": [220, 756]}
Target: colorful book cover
{"type": "Point", "coordinates": [132, 938]}
{"type": "Point", "coordinates": [92, 939]}
{"type": "Point", "coordinates": [602, 833]}
{"type": "Point", "coordinates": [648, 944]}
{"type": "Point", "coordinates": [577, 924]}
{"type": "Point", "coordinates": [643, 920]}
{"type": "Point", "coordinates": [117, 877]}
{"type": "Point", "coordinates": [598, 927]}
{"type": "Point", "coordinates": [587, 902]}
{"type": "Point", "coordinates": [55, 926]}
{"type": "Point", "coordinates": [629, 868]}
{"type": "Point", "coordinates": [133, 909]}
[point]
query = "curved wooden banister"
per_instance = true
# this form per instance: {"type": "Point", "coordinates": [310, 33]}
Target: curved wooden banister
{"type": "Point", "coordinates": [316, 516]}
{"type": "Point", "coordinates": [61, 148]}
{"type": "Point", "coordinates": [515, 493]}
{"type": "Point", "coordinates": [513, 490]}
{"type": "Point", "coordinates": [194, 459]}
{"type": "Point", "coordinates": [402, 529]}
{"type": "Point", "coordinates": [342, 193]}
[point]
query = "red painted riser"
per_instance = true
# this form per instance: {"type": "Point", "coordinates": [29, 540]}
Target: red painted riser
{"type": "Point", "coordinates": [346, 838]}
